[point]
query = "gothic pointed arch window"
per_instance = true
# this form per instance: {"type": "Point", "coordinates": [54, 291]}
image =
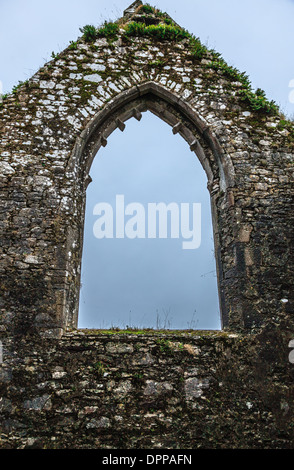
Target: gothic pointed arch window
{"type": "Point", "coordinates": [143, 280]}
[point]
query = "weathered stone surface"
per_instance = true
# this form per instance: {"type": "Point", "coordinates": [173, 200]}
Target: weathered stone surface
{"type": "Point", "coordinates": [225, 397]}
{"type": "Point", "coordinates": [120, 348]}
{"type": "Point", "coordinates": [157, 388]}
{"type": "Point", "coordinates": [101, 423]}
{"type": "Point", "coordinates": [38, 403]}
{"type": "Point", "coordinates": [194, 387]}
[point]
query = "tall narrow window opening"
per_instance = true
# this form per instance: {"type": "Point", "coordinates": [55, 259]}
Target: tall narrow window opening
{"type": "Point", "coordinates": [147, 281]}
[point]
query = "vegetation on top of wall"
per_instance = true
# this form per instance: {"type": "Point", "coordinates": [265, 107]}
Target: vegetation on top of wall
{"type": "Point", "coordinates": [73, 45]}
{"type": "Point", "coordinates": [146, 9]}
{"type": "Point", "coordinates": [167, 30]}
{"type": "Point", "coordinates": [89, 33]}
{"type": "Point", "coordinates": [228, 70]}
{"type": "Point", "coordinates": [152, 332]}
{"type": "Point", "coordinates": [14, 91]}
{"type": "Point", "coordinates": [108, 30]}
{"type": "Point", "coordinates": [170, 32]}
{"type": "Point", "coordinates": [2, 99]}
{"type": "Point", "coordinates": [16, 87]}
{"type": "Point", "coordinates": [161, 31]}
{"type": "Point", "coordinates": [257, 100]}
{"type": "Point", "coordinates": [198, 50]}
{"type": "Point", "coordinates": [149, 10]}
{"type": "Point", "coordinates": [54, 55]}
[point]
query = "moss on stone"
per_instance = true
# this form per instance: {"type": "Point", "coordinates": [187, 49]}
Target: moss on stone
{"type": "Point", "coordinates": [152, 332]}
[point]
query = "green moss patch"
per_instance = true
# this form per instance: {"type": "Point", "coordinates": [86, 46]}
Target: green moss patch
{"type": "Point", "coordinates": [256, 100]}
{"type": "Point", "coordinates": [161, 31]}
{"type": "Point", "coordinates": [146, 9]}
{"type": "Point", "coordinates": [152, 332]}
{"type": "Point", "coordinates": [89, 33]}
{"type": "Point", "coordinates": [108, 30]}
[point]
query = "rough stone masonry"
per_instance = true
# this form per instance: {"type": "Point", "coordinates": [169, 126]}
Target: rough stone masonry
{"type": "Point", "coordinates": [65, 388]}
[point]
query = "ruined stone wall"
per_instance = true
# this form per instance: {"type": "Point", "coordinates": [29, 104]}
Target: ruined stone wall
{"type": "Point", "coordinates": [150, 391]}
{"type": "Point", "coordinates": [51, 127]}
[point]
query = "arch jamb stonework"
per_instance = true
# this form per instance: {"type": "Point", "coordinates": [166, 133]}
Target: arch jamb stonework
{"type": "Point", "coordinates": [155, 98]}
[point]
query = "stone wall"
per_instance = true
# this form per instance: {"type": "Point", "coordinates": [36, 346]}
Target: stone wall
{"type": "Point", "coordinates": [150, 391]}
{"type": "Point", "coordinates": [51, 127]}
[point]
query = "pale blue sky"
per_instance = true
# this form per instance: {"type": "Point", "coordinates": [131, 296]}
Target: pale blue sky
{"type": "Point", "coordinates": [138, 282]}
{"type": "Point", "coordinates": [256, 36]}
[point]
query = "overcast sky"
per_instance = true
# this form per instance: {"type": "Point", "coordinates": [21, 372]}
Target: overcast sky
{"type": "Point", "coordinates": [152, 282]}
{"type": "Point", "coordinates": [148, 282]}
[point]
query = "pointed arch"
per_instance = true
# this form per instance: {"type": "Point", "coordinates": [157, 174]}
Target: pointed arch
{"type": "Point", "coordinates": [173, 110]}
{"type": "Point", "coordinates": [184, 120]}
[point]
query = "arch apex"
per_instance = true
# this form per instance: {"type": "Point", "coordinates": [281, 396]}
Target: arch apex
{"type": "Point", "coordinates": [131, 9]}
